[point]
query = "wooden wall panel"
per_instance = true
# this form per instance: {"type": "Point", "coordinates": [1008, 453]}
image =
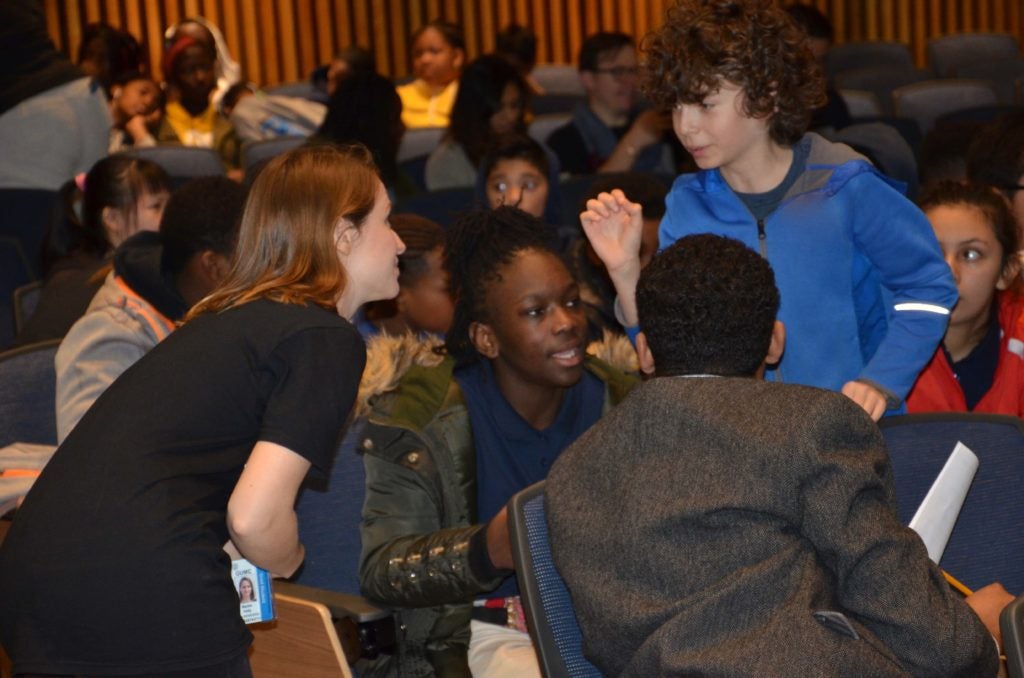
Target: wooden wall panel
{"type": "Point", "coordinates": [285, 40]}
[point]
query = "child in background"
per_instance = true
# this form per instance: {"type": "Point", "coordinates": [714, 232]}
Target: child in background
{"type": "Point", "coordinates": [120, 196]}
{"type": "Point", "coordinates": [134, 111]}
{"type": "Point", "coordinates": [517, 172]}
{"type": "Point", "coordinates": [980, 365]}
{"type": "Point", "coordinates": [191, 118]}
{"type": "Point", "coordinates": [491, 104]}
{"type": "Point", "coordinates": [438, 52]}
{"type": "Point", "coordinates": [865, 294]}
{"type": "Point", "coordinates": [423, 304]}
{"type": "Point", "coordinates": [156, 278]}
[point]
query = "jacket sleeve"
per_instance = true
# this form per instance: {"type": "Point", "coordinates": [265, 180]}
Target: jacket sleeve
{"type": "Point", "coordinates": [96, 350]}
{"type": "Point", "coordinates": [408, 559]}
{"type": "Point", "coordinates": [883, 576]}
{"type": "Point", "coordinates": [898, 240]}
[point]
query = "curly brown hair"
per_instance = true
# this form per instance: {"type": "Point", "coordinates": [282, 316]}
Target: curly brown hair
{"type": "Point", "coordinates": [750, 43]}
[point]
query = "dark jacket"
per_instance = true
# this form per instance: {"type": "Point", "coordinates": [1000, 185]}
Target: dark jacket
{"type": "Point", "coordinates": [751, 530]}
{"type": "Point", "coordinates": [420, 510]}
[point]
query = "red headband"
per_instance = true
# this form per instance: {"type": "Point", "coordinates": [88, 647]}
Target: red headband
{"type": "Point", "coordinates": [173, 52]}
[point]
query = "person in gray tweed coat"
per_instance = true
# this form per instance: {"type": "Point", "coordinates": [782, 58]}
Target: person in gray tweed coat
{"type": "Point", "coordinates": [717, 524]}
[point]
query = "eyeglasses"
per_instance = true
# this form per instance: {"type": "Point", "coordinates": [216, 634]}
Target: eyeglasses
{"type": "Point", "coordinates": [619, 72]}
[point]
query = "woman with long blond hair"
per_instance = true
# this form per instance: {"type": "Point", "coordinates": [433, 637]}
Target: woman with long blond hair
{"type": "Point", "coordinates": [196, 453]}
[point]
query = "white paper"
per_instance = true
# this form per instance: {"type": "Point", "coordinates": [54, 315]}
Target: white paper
{"type": "Point", "coordinates": [938, 512]}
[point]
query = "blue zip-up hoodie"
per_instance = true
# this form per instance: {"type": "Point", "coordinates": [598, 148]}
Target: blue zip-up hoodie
{"type": "Point", "coordinates": [865, 291]}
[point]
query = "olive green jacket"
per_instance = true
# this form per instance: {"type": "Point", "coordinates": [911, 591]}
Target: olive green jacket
{"type": "Point", "coordinates": [420, 511]}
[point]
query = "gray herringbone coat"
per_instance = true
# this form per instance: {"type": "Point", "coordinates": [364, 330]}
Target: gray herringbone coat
{"type": "Point", "coordinates": [703, 522]}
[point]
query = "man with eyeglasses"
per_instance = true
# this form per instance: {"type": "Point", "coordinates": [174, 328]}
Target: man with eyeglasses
{"type": "Point", "coordinates": [610, 132]}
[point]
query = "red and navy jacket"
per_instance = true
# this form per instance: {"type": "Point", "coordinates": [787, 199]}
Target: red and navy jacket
{"type": "Point", "coordinates": [937, 388]}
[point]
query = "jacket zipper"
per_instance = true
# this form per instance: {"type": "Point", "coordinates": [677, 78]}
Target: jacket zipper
{"type": "Point", "coordinates": [762, 243]}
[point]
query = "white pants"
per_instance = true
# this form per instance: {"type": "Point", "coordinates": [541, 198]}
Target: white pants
{"type": "Point", "coordinates": [500, 652]}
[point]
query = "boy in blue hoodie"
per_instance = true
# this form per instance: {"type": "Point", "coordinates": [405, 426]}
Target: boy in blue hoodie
{"type": "Point", "coordinates": [865, 293]}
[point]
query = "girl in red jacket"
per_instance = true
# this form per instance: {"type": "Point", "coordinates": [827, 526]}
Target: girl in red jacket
{"type": "Point", "coordinates": [979, 367]}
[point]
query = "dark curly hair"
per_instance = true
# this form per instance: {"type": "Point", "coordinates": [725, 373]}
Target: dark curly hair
{"type": "Point", "coordinates": [707, 305]}
{"type": "Point", "coordinates": [983, 199]}
{"type": "Point", "coordinates": [478, 244]}
{"type": "Point", "coordinates": [750, 43]}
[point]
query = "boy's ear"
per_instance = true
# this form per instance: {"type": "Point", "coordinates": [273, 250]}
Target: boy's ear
{"type": "Point", "coordinates": [214, 266]}
{"type": "Point", "coordinates": [481, 335]}
{"type": "Point", "coordinates": [643, 354]}
{"type": "Point", "coordinates": [777, 344]}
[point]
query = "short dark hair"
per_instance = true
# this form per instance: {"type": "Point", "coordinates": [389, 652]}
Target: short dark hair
{"type": "Point", "coordinates": [452, 33]}
{"type": "Point", "coordinates": [707, 305]}
{"type": "Point", "coordinates": [996, 157]}
{"type": "Point", "coordinates": [421, 237]}
{"type": "Point", "coordinates": [519, 44]}
{"type": "Point", "coordinates": [986, 201]}
{"type": "Point", "coordinates": [516, 147]}
{"type": "Point", "coordinates": [752, 44]}
{"type": "Point", "coordinates": [201, 215]}
{"type": "Point", "coordinates": [599, 45]}
{"type": "Point", "coordinates": [476, 246]}
{"type": "Point", "coordinates": [645, 188]}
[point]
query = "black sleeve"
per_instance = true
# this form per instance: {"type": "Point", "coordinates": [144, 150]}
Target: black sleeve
{"type": "Point", "coordinates": [316, 376]}
{"type": "Point", "coordinates": [567, 144]}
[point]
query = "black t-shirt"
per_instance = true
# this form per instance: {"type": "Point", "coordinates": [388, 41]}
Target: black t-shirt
{"type": "Point", "coordinates": [115, 561]}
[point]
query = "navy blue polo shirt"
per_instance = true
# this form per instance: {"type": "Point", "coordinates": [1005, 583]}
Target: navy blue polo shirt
{"type": "Point", "coordinates": [511, 454]}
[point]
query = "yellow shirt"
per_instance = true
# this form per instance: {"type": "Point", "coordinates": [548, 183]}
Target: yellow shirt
{"type": "Point", "coordinates": [191, 131]}
{"type": "Point", "coordinates": [423, 107]}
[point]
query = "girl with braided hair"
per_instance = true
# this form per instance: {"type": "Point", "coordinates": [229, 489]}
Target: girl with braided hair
{"type": "Point", "coordinates": [466, 425]}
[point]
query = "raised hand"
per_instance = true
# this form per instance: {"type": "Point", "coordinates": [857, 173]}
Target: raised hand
{"type": "Point", "coordinates": [614, 227]}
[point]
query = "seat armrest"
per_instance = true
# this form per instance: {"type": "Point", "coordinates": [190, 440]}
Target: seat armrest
{"type": "Point", "coordinates": [1011, 623]}
{"type": "Point", "coordinates": [340, 605]}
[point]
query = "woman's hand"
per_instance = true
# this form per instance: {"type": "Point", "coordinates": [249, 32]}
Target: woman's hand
{"type": "Point", "coordinates": [614, 227]}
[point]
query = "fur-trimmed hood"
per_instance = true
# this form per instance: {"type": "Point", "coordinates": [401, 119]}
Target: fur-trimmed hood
{"type": "Point", "coordinates": [389, 357]}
